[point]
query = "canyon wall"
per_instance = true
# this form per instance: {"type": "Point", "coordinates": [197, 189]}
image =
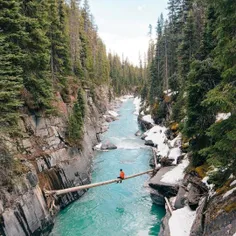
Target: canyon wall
{"type": "Point", "coordinates": [47, 161]}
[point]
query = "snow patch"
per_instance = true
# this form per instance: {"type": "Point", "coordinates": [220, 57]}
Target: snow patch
{"type": "Point", "coordinates": [98, 146]}
{"type": "Point", "coordinates": [137, 103]}
{"type": "Point", "coordinates": [209, 186]}
{"type": "Point", "coordinates": [233, 183]}
{"type": "Point", "coordinates": [174, 154]}
{"type": "Point", "coordinates": [176, 142]}
{"type": "Point", "coordinates": [229, 192]}
{"type": "Point", "coordinates": [222, 116]}
{"type": "Point", "coordinates": [181, 221]}
{"type": "Point", "coordinates": [113, 113]}
{"type": "Point", "coordinates": [148, 118]}
{"type": "Point", "coordinates": [169, 92]}
{"type": "Point", "coordinates": [157, 135]}
{"type": "Point", "coordinates": [175, 175]}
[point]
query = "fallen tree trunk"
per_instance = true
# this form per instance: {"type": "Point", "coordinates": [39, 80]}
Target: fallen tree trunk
{"type": "Point", "coordinates": [87, 186]}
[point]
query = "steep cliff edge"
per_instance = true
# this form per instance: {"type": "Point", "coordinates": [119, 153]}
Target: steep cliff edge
{"type": "Point", "coordinates": [46, 160]}
{"type": "Point", "coordinates": [199, 207]}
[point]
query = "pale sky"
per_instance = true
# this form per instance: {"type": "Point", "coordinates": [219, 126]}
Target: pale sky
{"type": "Point", "coordinates": [123, 24]}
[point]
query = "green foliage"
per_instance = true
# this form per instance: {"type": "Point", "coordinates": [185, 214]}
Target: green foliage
{"type": "Point", "coordinates": [202, 78]}
{"type": "Point", "coordinates": [124, 76]}
{"type": "Point", "coordinates": [144, 92]}
{"type": "Point", "coordinates": [195, 55]}
{"type": "Point", "coordinates": [219, 178]}
{"type": "Point", "coordinates": [35, 44]}
{"type": "Point", "coordinates": [75, 127]}
{"type": "Point", "coordinates": [160, 112]}
{"type": "Point", "coordinates": [59, 40]}
{"type": "Point", "coordinates": [6, 163]}
{"type": "Point", "coordinates": [10, 169]}
{"type": "Point", "coordinates": [221, 152]}
{"type": "Point", "coordinates": [42, 45]}
{"type": "Point", "coordinates": [186, 48]}
{"type": "Point", "coordinates": [179, 107]}
{"type": "Point", "coordinates": [11, 83]}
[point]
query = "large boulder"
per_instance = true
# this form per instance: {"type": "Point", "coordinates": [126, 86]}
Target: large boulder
{"type": "Point", "coordinates": [220, 216]}
{"type": "Point", "coordinates": [145, 125]}
{"type": "Point", "coordinates": [165, 230]}
{"type": "Point", "coordinates": [143, 136]}
{"type": "Point", "coordinates": [180, 198]}
{"type": "Point", "coordinates": [193, 195]}
{"type": "Point", "coordinates": [165, 161]}
{"type": "Point", "coordinates": [108, 119]}
{"type": "Point", "coordinates": [195, 189]}
{"type": "Point", "coordinates": [138, 133]}
{"type": "Point", "coordinates": [165, 189]}
{"type": "Point", "coordinates": [157, 198]}
{"type": "Point", "coordinates": [152, 162]}
{"type": "Point", "coordinates": [198, 224]}
{"type": "Point", "coordinates": [108, 146]}
{"type": "Point", "coordinates": [149, 143]}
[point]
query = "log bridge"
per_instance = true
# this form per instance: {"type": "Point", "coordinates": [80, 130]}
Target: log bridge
{"type": "Point", "coordinates": [88, 186]}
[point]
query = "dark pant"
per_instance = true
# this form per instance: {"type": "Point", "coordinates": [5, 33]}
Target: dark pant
{"type": "Point", "coordinates": [120, 180]}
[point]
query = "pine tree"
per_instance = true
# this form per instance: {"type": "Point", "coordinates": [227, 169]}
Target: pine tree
{"type": "Point", "coordinates": [186, 48]}
{"type": "Point", "coordinates": [59, 50]}
{"type": "Point", "coordinates": [222, 98]}
{"type": "Point", "coordinates": [38, 85]}
{"type": "Point", "coordinates": [74, 36]}
{"type": "Point", "coordinates": [208, 41]}
{"type": "Point", "coordinates": [75, 130]}
{"type": "Point", "coordinates": [202, 78]}
{"type": "Point", "coordinates": [11, 82]}
{"type": "Point", "coordinates": [221, 152]}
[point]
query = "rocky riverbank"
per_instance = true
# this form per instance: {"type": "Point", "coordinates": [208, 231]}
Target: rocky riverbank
{"type": "Point", "coordinates": [198, 209]}
{"type": "Point", "coordinates": [47, 161]}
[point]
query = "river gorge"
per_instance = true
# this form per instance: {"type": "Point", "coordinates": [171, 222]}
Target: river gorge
{"type": "Point", "coordinates": [117, 209]}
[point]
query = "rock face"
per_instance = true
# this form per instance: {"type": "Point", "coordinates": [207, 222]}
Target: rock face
{"type": "Point", "coordinates": [149, 143]}
{"type": "Point", "coordinates": [138, 133]}
{"type": "Point", "coordinates": [165, 230]}
{"type": "Point", "coordinates": [198, 224]}
{"type": "Point", "coordinates": [219, 217]}
{"type": "Point", "coordinates": [50, 163]}
{"type": "Point", "coordinates": [195, 190]}
{"type": "Point", "coordinates": [145, 125]}
{"type": "Point", "coordinates": [143, 136]}
{"type": "Point", "coordinates": [165, 189]}
{"type": "Point", "coordinates": [216, 216]}
{"type": "Point", "coordinates": [157, 198]}
{"type": "Point", "coordinates": [108, 146]}
{"type": "Point", "coordinates": [180, 200]}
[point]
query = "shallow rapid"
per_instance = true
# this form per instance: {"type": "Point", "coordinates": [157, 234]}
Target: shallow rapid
{"type": "Point", "coordinates": [119, 209]}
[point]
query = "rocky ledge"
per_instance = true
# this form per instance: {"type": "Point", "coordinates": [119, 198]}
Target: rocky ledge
{"type": "Point", "coordinates": [211, 214]}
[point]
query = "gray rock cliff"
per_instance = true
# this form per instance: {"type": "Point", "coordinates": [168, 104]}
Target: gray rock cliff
{"type": "Point", "coordinates": [50, 163]}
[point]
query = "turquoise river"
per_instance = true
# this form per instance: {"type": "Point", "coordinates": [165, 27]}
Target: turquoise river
{"type": "Point", "coordinates": [118, 209]}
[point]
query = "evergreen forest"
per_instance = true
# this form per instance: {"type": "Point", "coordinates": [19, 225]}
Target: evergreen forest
{"type": "Point", "coordinates": [51, 48]}
{"type": "Point", "coordinates": [191, 79]}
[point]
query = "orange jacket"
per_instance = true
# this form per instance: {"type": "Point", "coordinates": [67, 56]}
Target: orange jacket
{"type": "Point", "coordinates": [122, 174]}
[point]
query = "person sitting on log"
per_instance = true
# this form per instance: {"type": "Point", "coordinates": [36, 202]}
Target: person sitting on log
{"type": "Point", "coordinates": [122, 176]}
